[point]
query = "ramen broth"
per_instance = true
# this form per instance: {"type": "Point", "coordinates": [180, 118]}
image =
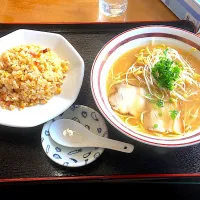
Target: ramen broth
{"type": "Point", "coordinates": [189, 114]}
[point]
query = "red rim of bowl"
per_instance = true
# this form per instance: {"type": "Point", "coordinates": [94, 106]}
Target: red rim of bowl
{"type": "Point", "coordinates": [113, 123]}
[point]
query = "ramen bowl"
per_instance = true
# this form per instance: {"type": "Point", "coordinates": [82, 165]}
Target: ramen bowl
{"type": "Point", "coordinates": [121, 44]}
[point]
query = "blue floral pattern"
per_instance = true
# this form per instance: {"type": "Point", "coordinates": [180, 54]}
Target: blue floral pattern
{"type": "Point", "coordinates": [87, 126]}
{"type": "Point", "coordinates": [94, 116]}
{"type": "Point", "coordinates": [58, 149]}
{"type": "Point", "coordinates": [47, 148]}
{"type": "Point", "coordinates": [76, 119]}
{"type": "Point", "coordinates": [84, 114]}
{"type": "Point", "coordinates": [73, 107]}
{"type": "Point", "coordinates": [56, 156]}
{"type": "Point", "coordinates": [47, 133]}
{"type": "Point", "coordinates": [75, 157]}
{"type": "Point", "coordinates": [99, 130]}
{"type": "Point", "coordinates": [65, 164]}
{"type": "Point", "coordinates": [86, 154]}
{"type": "Point", "coordinates": [75, 151]}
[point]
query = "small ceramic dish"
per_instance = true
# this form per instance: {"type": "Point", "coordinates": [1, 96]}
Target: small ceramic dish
{"type": "Point", "coordinates": [75, 157]}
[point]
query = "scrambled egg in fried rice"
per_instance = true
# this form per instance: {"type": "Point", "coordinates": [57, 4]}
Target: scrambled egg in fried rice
{"type": "Point", "coordinates": [30, 75]}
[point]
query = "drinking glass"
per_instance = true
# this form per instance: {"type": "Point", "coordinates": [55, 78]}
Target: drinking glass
{"type": "Point", "coordinates": [113, 8]}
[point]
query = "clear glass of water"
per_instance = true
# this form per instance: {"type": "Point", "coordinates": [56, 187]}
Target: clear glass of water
{"type": "Point", "coordinates": [113, 8]}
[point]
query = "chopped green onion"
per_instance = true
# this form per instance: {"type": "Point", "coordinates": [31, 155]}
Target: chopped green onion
{"type": "Point", "coordinates": [173, 114]}
{"type": "Point", "coordinates": [160, 103]}
{"type": "Point", "coordinates": [166, 72]}
{"type": "Point", "coordinates": [155, 126]}
{"type": "Point", "coordinates": [148, 95]}
{"type": "Point", "coordinates": [165, 51]}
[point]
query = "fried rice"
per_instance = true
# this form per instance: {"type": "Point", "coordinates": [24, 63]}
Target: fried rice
{"type": "Point", "coordinates": [30, 75]}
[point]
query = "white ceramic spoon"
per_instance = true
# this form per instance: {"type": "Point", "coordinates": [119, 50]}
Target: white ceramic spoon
{"type": "Point", "coordinates": [70, 133]}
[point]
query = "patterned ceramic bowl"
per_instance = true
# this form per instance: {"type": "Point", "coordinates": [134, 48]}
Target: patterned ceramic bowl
{"type": "Point", "coordinates": [75, 157]}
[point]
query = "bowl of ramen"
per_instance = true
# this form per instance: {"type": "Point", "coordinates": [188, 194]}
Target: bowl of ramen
{"type": "Point", "coordinates": [146, 83]}
{"type": "Point", "coordinates": [41, 75]}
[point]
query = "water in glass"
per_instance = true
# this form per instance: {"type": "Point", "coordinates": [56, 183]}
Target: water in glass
{"type": "Point", "coordinates": [113, 8]}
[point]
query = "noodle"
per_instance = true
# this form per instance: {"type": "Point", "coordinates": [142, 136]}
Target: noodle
{"type": "Point", "coordinates": [136, 69]}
